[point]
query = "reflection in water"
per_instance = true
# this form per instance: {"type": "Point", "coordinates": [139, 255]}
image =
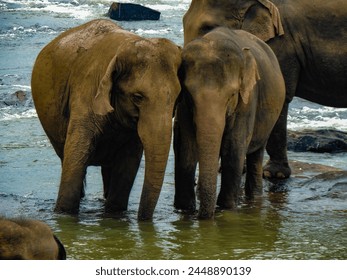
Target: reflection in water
{"type": "Point", "coordinates": [300, 218]}
{"type": "Point", "coordinates": [246, 233]}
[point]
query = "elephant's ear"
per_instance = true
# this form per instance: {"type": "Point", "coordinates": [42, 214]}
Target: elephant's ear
{"type": "Point", "coordinates": [265, 27]}
{"type": "Point", "coordinates": [249, 75]}
{"type": "Point", "coordinates": [61, 249]}
{"type": "Point", "coordinates": [102, 105]}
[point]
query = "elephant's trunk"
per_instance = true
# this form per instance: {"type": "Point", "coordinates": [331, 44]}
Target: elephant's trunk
{"type": "Point", "coordinates": [209, 131]}
{"type": "Point", "coordinates": [156, 138]}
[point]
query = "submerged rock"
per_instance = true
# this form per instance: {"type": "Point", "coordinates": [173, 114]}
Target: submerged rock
{"type": "Point", "coordinates": [127, 12]}
{"type": "Point", "coordinates": [19, 98]}
{"type": "Point", "coordinates": [306, 174]}
{"type": "Point", "coordinates": [318, 141]}
{"type": "Point", "coordinates": [335, 182]}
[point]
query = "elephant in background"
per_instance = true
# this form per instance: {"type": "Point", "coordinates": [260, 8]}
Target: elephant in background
{"type": "Point", "coordinates": [232, 94]}
{"type": "Point", "coordinates": [309, 38]}
{"type": "Point", "coordinates": [22, 239]}
{"type": "Point", "coordinates": [103, 96]}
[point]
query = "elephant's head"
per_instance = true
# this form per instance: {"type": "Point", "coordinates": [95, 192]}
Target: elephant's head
{"type": "Point", "coordinates": [219, 79]}
{"type": "Point", "coordinates": [22, 239]}
{"type": "Point", "coordinates": [139, 89]}
{"type": "Point", "coordinates": [259, 17]}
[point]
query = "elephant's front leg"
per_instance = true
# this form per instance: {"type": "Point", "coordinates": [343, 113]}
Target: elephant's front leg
{"type": "Point", "coordinates": [119, 178]}
{"type": "Point", "coordinates": [232, 164]}
{"type": "Point", "coordinates": [278, 166]}
{"type": "Point", "coordinates": [185, 160]}
{"type": "Point", "coordinates": [254, 174]}
{"type": "Point", "coordinates": [77, 150]}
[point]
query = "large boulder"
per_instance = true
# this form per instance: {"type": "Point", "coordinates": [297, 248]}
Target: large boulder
{"type": "Point", "coordinates": [318, 141]}
{"type": "Point", "coordinates": [127, 12]}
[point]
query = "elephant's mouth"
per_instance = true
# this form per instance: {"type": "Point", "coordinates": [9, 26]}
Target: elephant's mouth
{"type": "Point", "coordinates": [133, 122]}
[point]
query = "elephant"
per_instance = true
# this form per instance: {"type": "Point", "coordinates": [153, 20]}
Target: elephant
{"type": "Point", "coordinates": [309, 38]}
{"type": "Point", "coordinates": [104, 97]}
{"type": "Point", "coordinates": [26, 239]}
{"type": "Point", "coordinates": [232, 94]}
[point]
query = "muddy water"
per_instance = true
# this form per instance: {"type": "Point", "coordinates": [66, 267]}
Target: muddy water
{"type": "Point", "coordinates": [299, 220]}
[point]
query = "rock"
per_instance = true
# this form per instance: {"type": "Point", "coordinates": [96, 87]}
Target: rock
{"type": "Point", "coordinates": [127, 12]}
{"type": "Point", "coordinates": [304, 173]}
{"type": "Point", "coordinates": [303, 169]}
{"type": "Point", "coordinates": [19, 98]}
{"type": "Point", "coordinates": [320, 181]}
{"type": "Point", "coordinates": [335, 182]}
{"type": "Point", "coordinates": [318, 141]}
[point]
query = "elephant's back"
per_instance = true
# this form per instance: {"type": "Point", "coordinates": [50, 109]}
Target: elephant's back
{"type": "Point", "coordinates": [77, 56]}
{"type": "Point", "coordinates": [67, 50]}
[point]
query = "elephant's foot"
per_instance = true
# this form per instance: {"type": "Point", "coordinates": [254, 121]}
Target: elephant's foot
{"type": "Point", "coordinates": [276, 170]}
{"type": "Point", "coordinates": [185, 205]}
{"type": "Point", "coordinates": [224, 203]}
{"type": "Point", "coordinates": [250, 193]}
{"type": "Point", "coordinates": [68, 203]}
{"type": "Point", "coordinates": [205, 214]}
{"type": "Point", "coordinates": [114, 208]}
{"type": "Point", "coordinates": [64, 209]}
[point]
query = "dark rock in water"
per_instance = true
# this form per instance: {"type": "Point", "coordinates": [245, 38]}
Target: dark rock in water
{"type": "Point", "coordinates": [308, 174]}
{"type": "Point", "coordinates": [18, 98]}
{"type": "Point", "coordinates": [338, 190]}
{"type": "Point", "coordinates": [318, 141]}
{"type": "Point", "coordinates": [331, 184]}
{"type": "Point", "coordinates": [128, 12]}
{"type": "Point", "coordinates": [335, 182]}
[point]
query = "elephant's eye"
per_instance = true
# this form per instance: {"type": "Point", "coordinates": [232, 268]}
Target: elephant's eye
{"type": "Point", "coordinates": [205, 28]}
{"type": "Point", "coordinates": [137, 98]}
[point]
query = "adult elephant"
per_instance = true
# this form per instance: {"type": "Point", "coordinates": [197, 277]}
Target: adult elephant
{"type": "Point", "coordinates": [103, 95]}
{"type": "Point", "coordinates": [309, 38]}
{"type": "Point", "coordinates": [233, 93]}
{"type": "Point", "coordinates": [23, 239]}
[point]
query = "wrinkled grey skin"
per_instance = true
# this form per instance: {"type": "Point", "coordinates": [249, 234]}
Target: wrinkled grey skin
{"type": "Point", "coordinates": [309, 38]}
{"type": "Point", "coordinates": [103, 96]}
{"type": "Point", "coordinates": [233, 92]}
{"type": "Point", "coordinates": [22, 239]}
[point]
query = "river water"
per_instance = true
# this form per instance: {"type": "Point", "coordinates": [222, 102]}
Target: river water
{"type": "Point", "coordinates": [296, 223]}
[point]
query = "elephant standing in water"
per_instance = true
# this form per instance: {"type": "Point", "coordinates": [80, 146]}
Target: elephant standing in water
{"type": "Point", "coordinates": [232, 94]}
{"type": "Point", "coordinates": [22, 239]}
{"type": "Point", "coordinates": [309, 38]}
{"type": "Point", "coordinates": [103, 95]}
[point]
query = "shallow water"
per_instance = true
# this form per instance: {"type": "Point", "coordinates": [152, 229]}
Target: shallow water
{"type": "Point", "coordinates": [296, 222]}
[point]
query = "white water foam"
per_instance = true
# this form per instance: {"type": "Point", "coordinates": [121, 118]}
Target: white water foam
{"type": "Point", "coordinates": [7, 114]}
{"type": "Point", "coordinates": [317, 118]}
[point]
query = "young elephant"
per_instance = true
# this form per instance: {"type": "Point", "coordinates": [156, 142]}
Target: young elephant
{"type": "Point", "coordinates": [233, 93]}
{"type": "Point", "coordinates": [23, 239]}
{"type": "Point", "coordinates": [103, 95]}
